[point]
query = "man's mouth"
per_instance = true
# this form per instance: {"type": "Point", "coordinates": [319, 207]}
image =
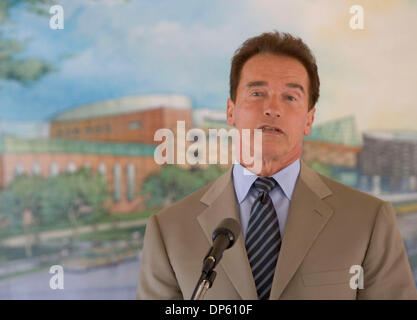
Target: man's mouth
{"type": "Point", "coordinates": [270, 129]}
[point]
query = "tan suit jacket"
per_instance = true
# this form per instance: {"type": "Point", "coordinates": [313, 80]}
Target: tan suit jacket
{"type": "Point", "coordinates": [330, 228]}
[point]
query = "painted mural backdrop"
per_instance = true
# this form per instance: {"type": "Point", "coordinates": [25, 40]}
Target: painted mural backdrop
{"type": "Point", "coordinates": [85, 84]}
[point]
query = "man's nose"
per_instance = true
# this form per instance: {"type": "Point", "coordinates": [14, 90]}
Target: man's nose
{"type": "Point", "coordinates": [272, 108]}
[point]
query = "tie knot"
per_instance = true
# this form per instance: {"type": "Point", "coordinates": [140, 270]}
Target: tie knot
{"type": "Point", "coordinates": [265, 184]}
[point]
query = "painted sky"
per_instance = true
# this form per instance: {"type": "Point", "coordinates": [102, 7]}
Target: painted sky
{"type": "Point", "coordinates": [113, 48]}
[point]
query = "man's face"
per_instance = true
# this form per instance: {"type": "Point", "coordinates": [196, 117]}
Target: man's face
{"type": "Point", "coordinates": [273, 91]}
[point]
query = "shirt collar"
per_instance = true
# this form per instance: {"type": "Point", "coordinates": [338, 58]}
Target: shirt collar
{"type": "Point", "coordinates": [286, 178]}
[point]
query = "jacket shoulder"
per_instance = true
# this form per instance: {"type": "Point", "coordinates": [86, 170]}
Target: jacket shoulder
{"type": "Point", "coordinates": [349, 193]}
{"type": "Point", "coordinates": [353, 203]}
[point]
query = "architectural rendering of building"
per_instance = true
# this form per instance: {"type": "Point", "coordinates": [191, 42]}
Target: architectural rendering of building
{"type": "Point", "coordinates": [388, 161]}
{"type": "Point", "coordinates": [112, 137]}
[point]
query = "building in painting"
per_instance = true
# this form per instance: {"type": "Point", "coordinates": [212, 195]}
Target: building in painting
{"type": "Point", "coordinates": [388, 161]}
{"type": "Point", "coordinates": [129, 119]}
{"type": "Point", "coordinates": [113, 137]}
{"type": "Point", "coordinates": [124, 166]}
{"type": "Point", "coordinates": [332, 148]}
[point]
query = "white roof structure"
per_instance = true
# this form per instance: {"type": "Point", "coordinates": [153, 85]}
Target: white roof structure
{"type": "Point", "coordinates": [396, 135]}
{"type": "Point", "coordinates": [201, 115]}
{"type": "Point", "coordinates": [124, 105]}
{"type": "Point", "coordinates": [29, 129]}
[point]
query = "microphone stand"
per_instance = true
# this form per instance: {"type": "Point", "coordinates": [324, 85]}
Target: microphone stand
{"type": "Point", "coordinates": [207, 277]}
{"type": "Point", "coordinates": [204, 283]}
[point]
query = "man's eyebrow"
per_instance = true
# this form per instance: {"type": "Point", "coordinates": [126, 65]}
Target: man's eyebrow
{"type": "Point", "coordinates": [256, 83]}
{"type": "Point", "coordinates": [295, 85]}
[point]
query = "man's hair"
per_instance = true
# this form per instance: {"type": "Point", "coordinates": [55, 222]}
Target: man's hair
{"type": "Point", "coordinates": [281, 44]}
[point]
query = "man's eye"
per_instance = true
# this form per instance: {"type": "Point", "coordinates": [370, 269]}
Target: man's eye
{"type": "Point", "coordinates": [256, 93]}
{"type": "Point", "coordinates": [291, 98]}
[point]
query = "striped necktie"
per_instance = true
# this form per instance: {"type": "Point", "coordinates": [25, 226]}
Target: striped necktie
{"type": "Point", "coordinates": [263, 239]}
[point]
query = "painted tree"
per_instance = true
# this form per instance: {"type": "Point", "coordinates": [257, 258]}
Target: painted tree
{"type": "Point", "coordinates": [12, 67]}
{"type": "Point", "coordinates": [34, 202]}
{"type": "Point", "coordinates": [23, 194]}
{"type": "Point", "coordinates": [173, 183]}
{"type": "Point", "coordinates": [20, 204]}
{"type": "Point", "coordinates": [74, 197]}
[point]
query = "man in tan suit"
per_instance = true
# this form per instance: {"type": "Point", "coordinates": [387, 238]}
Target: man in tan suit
{"type": "Point", "coordinates": [331, 241]}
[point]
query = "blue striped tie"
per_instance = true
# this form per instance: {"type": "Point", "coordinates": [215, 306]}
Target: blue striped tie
{"type": "Point", "coordinates": [263, 239]}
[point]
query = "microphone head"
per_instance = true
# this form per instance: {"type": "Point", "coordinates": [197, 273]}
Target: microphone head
{"type": "Point", "coordinates": [230, 228]}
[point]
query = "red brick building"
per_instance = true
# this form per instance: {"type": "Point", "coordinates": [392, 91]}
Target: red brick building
{"type": "Point", "coordinates": [129, 119]}
{"type": "Point", "coordinates": [112, 137]}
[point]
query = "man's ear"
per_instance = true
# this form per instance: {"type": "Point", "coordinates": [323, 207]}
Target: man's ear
{"type": "Point", "coordinates": [309, 121]}
{"type": "Point", "coordinates": [230, 112]}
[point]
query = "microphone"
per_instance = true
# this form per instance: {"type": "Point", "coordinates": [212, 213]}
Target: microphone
{"type": "Point", "coordinates": [224, 237]}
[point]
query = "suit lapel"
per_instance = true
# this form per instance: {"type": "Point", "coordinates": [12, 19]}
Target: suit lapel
{"type": "Point", "coordinates": [307, 216]}
{"type": "Point", "coordinates": [221, 201]}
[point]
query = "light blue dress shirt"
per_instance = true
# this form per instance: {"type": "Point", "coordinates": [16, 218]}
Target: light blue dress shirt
{"type": "Point", "coordinates": [281, 195]}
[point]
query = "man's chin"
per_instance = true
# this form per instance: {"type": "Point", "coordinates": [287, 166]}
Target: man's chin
{"type": "Point", "coordinates": [271, 153]}
{"type": "Point", "coordinates": [272, 147]}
